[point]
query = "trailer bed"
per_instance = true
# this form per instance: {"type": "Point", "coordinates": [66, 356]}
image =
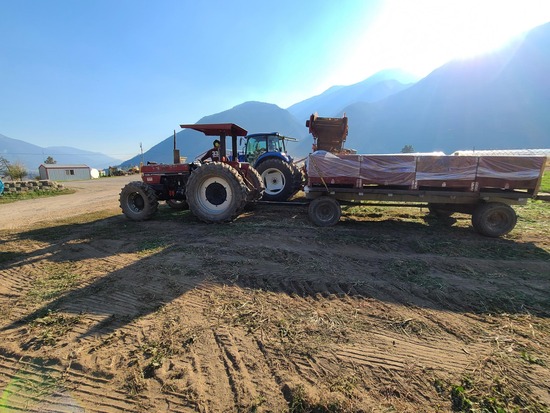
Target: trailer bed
{"type": "Point", "coordinates": [510, 175]}
{"type": "Point", "coordinates": [483, 186]}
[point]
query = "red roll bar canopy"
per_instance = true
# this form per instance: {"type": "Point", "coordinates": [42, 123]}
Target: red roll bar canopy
{"type": "Point", "coordinates": [218, 129]}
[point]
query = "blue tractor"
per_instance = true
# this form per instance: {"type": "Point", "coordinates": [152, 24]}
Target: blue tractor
{"type": "Point", "coordinates": [266, 152]}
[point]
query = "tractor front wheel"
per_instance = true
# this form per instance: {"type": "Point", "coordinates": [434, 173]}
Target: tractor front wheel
{"type": "Point", "coordinates": [138, 201]}
{"type": "Point", "coordinates": [216, 192]}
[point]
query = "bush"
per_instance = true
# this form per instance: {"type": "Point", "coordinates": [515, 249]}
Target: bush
{"type": "Point", "coordinates": [16, 171]}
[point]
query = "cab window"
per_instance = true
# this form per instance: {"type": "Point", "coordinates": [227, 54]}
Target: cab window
{"type": "Point", "coordinates": [255, 146]}
{"type": "Point", "coordinates": [274, 144]}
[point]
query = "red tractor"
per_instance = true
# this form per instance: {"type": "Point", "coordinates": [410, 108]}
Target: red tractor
{"type": "Point", "coordinates": [214, 191]}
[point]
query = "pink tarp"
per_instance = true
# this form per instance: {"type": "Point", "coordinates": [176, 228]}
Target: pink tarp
{"type": "Point", "coordinates": [467, 172]}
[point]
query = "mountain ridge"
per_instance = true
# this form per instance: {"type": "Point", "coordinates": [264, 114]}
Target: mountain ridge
{"type": "Point", "coordinates": [498, 101]}
{"type": "Point", "coordinates": [31, 156]}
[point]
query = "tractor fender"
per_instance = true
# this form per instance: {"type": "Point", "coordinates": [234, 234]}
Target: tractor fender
{"type": "Point", "coordinates": [270, 155]}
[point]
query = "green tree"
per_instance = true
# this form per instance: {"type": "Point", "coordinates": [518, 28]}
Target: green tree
{"type": "Point", "coordinates": [407, 149]}
{"type": "Point", "coordinates": [50, 161]}
{"type": "Point", "coordinates": [16, 171]}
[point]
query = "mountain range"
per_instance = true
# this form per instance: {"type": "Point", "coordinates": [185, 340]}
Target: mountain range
{"type": "Point", "coordinates": [496, 101]}
{"type": "Point", "coordinates": [499, 100]}
{"type": "Point", "coordinates": [32, 156]}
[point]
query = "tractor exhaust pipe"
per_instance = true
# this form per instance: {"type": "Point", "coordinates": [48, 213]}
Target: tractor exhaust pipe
{"type": "Point", "coordinates": [176, 151]}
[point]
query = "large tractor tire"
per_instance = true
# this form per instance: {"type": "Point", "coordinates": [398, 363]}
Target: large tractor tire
{"type": "Point", "coordinates": [216, 192]}
{"type": "Point", "coordinates": [494, 219]}
{"type": "Point", "coordinates": [138, 201]}
{"type": "Point", "coordinates": [255, 185]}
{"type": "Point", "coordinates": [298, 177]}
{"type": "Point", "coordinates": [278, 179]}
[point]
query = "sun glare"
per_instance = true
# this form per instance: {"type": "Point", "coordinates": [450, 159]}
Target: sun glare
{"type": "Point", "coordinates": [421, 35]}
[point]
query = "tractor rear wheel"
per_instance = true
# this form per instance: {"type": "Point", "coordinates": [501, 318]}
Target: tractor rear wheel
{"type": "Point", "coordinates": [216, 192]}
{"type": "Point", "coordinates": [298, 178]}
{"type": "Point", "coordinates": [138, 201]}
{"type": "Point", "coordinates": [494, 219]}
{"type": "Point", "coordinates": [255, 184]}
{"type": "Point", "coordinates": [278, 179]}
{"type": "Point", "coordinates": [324, 211]}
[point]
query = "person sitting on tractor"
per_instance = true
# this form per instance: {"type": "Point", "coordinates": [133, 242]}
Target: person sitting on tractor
{"type": "Point", "coordinates": [214, 153]}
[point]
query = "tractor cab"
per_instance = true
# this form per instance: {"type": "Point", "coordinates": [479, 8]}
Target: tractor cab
{"type": "Point", "coordinates": [259, 146]}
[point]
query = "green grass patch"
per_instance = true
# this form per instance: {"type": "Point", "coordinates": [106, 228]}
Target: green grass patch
{"type": "Point", "coordinates": [508, 301]}
{"type": "Point", "coordinates": [497, 395]}
{"type": "Point", "coordinates": [413, 271]}
{"type": "Point", "coordinates": [490, 249]}
{"type": "Point", "coordinates": [150, 247]}
{"type": "Point", "coordinates": [532, 359]}
{"type": "Point", "coordinates": [58, 278]}
{"type": "Point", "coordinates": [7, 198]}
{"type": "Point", "coordinates": [50, 328]}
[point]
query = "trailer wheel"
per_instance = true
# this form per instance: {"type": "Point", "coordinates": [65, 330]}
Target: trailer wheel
{"type": "Point", "coordinates": [138, 201]}
{"type": "Point", "coordinates": [178, 204]}
{"type": "Point", "coordinates": [255, 184]}
{"type": "Point", "coordinates": [278, 179]}
{"type": "Point", "coordinates": [324, 211]}
{"type": "Point", "coordinates": [216, 192]}
{"type": "Point", "coordinates": [494, 219]}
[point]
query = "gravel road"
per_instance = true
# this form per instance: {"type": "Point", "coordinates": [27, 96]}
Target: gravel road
{"type": "Point", "coordinates": [90, 196]}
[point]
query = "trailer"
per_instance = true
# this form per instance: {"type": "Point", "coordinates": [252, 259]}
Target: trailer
{"type": "Point", "coordinates": [484, 187]}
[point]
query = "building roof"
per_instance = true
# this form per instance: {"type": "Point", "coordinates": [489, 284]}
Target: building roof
{"type": "Point", "coordinates": [58, 166]}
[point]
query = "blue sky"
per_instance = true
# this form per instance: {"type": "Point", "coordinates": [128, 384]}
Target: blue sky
{"type": "Point", "coordinates": [105, 75]}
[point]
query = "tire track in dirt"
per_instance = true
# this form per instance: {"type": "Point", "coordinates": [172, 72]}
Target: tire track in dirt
{"type": "Point", "coordinates": [250, 381]}
{"type": "Point", "coordinates": [394, 353]}
{"type": "Point", "coordinates": [454, 351]}
{"type": "Point", "coordinates": [244, 391]}
{"type": "Point", "coordinates": [39, 385]}
{"type": "Point", "coordinates": [16, 281]}
{"type": "Point", "coordinates": [211, 389]}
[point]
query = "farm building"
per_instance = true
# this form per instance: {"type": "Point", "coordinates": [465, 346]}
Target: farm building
{"type": "Point", "coordinates": [55, 172]}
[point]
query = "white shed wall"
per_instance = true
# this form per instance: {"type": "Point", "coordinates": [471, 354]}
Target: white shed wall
{"type": "Point", "coordinates": [64, 173]}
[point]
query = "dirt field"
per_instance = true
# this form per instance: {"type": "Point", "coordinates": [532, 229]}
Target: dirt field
{"type": "Point", "coordinates": [392, 310]}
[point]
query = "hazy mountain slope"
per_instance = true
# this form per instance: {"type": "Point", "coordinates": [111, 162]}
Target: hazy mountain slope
{"type": "Point", "coordinates": [496, 101]}
{"type": "Point", "coordinates": [255, 117]}
{"type": "Point", "coordinates": [32, 156]}
{"type": "Point", "coordinates": [329, 103]}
